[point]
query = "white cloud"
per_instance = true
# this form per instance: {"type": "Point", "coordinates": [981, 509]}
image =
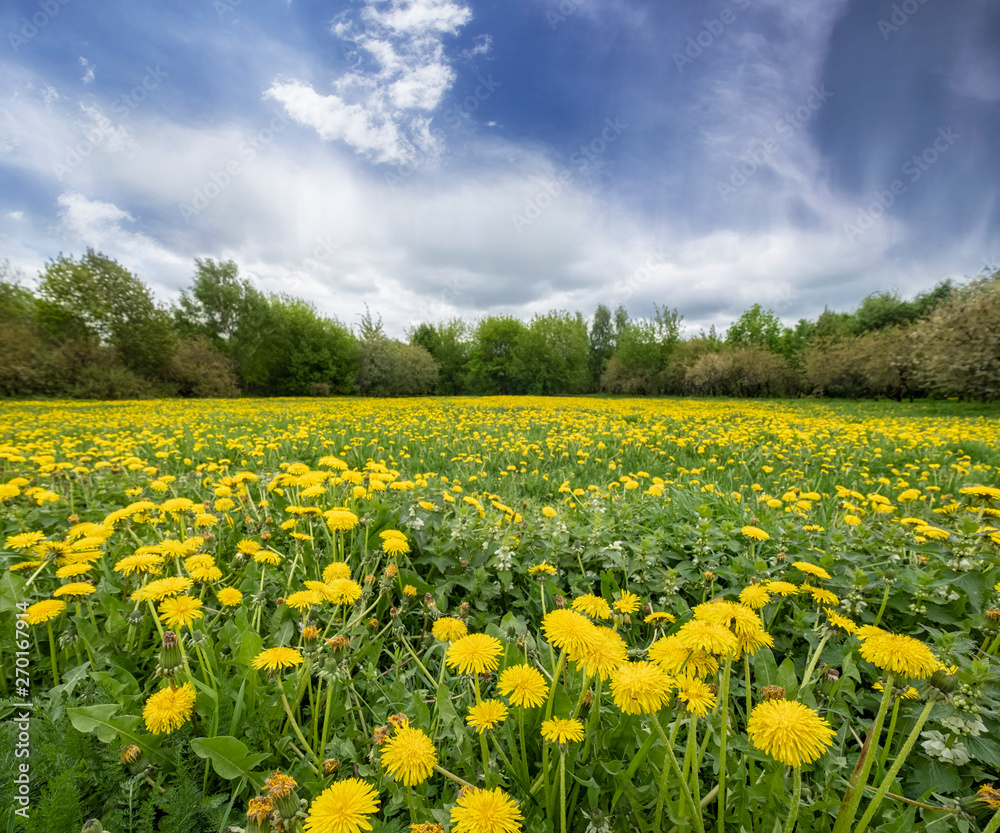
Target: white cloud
{"type": "Point", "coordinates": [381, 107]}
{"type": "Point", "coordinates": [16, 215]}
{"type": "Point", "coordinates": [87, 76]}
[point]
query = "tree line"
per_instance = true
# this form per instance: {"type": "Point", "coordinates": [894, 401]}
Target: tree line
{"type": "Point", "coordinates": [92, 329]}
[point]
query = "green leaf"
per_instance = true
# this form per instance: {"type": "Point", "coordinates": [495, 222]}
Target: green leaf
{"type": "Point", "coordinates": [765, 669]}
{"type": "Point", "coordinates": [89, 719]}
{"type": "Point", "coordinates": [230, 758]}
{"type": "Point", "coordinates": [787, 679]}
{"type": "Point", "coordinates": [11, 591]}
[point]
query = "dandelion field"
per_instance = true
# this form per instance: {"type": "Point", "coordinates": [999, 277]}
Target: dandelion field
{"type": "Point", "coordinates": [495, 615]}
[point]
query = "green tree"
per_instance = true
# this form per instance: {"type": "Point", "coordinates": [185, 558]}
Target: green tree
{"type": "Point", "coordinates": [757, 327]}
{"type": "Point", "coordinates": [233, 315]}
{"type": "Point", "coordinates": [448, 344]}
{"type": "Point", "coordinates": [96, 299]}
{"type": "Point", "coordinates": [494, 341]}
{"type": "Point", "coordinates": [550, 356]}
{"type": "Point", "coordinates": [602, 340]}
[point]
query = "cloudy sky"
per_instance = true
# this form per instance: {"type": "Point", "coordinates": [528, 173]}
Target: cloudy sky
{"type": "Point", "coordinates": [439, 157]}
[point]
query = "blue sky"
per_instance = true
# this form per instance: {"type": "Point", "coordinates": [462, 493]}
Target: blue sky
{"type": "Point", "coordinates": [432, 158]}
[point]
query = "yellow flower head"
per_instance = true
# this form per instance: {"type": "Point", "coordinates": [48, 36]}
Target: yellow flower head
{"type": "Point", "coordinates": [229, 597]}
{"type": "Point", "coordinates": [523, 685]}
{"type": "Point", "coordinates": [640, 687]}
{"type": "Point", "coordinates": [782, 588]}
{"type": "Point", "coordinates": [336, 570]}
{"type": "Point", "coordinates": [169, 709]}
{"type": "Point", "coordinates": [568, 630]}
{"type": "Point", "coordinates": [593, 606]}
{"type": "Point", "coordinates": [485, 811]}
{"type": "Point", "coordinates": [821, 595]}
{"type": "Point", "coordinates": [448, 629]}
{"type": "Point", "coordinates": [755, 596]}
{"type": "Point", "coordinates": [486, 715]}
{"type": "Point", "coordinates": [675, 658]}
{"type": "Point", "coordinates": [604, 653]}
{"type": "Point", "coordinates": [627, 602]}
{"type": "Point", "coordinates": [657, 617]}
{"type": "Point", "coordinates": [712, 638]}
{"type": "Point", "coordinates": [474, 654]}
{"type": "Point", "coordinates": [789, 732]}
{"type": "Point", "coordinates": [343, 807]}
{"type": "Point", "coordinates": [738, 617]}
{"type": "Point", "coordinates": [842, 622]}
{"type": "Point", "coordinates": [811, 569]}
{"type": "Point", "coordinates": [180, 610]}
{"type": "Point", "coordinates": [543, 569]}
{"type": "Point", "coordinates": [902, 655]}
{"type": "Point", "coordinates": [275, 658]}
{"type": "Point", "coordinates": [697, 695]}
{"type": "Point", "coordinates": [755, 533]}
{"type": "Point", "coordinates": [75, 589]}
{"type": "Point", "coordinates": [344, 591]}
{"type": "Point", "coordinates": [409, 756]}
{"type": "Point", "coordinates": [560, 730]}
{"type": "Point", "coordinates": [162, 588]}
{"type": "Point", "coordinates": [45, 611]}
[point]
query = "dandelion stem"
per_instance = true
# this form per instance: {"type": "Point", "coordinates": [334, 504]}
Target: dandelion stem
{"type": "Point", "coordinates": [724, 739]}
{"type": "Point", "coordinates": [699, 824]}
{"type": "Point", "coordinates": [885, 599]}
{"type": "Point", "coordinates": [52, 652]}
{"type": "Point", "coordinates": [749, 692]}
{"type": "Point", "coordinates": [888, 735]}
{"type": "Point", "coordinates": [793, 812]}
{"type": "Point", "coordinates": [562, 791]}
{"type": "Point", "coordinates": [292, 722]}
{"type": "Point", "coordinates": [454, 778]}
{"type": "Point", "coordinates": [890, 776]}
{"type": "Point", "coordinates": [994, 824]}
{"type": "Point", "coordinates": [812, 662]}
{"type": "Point", "coordinates": [859, 778]}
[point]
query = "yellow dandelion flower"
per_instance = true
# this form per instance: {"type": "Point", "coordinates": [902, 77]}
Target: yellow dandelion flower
{"type": "Point", "coordinates": [45, 611]}
{"type": "Point", "coordinates": [75, 589]}
{"type": "Point", "coordinates": [344, 591]}
{"type": "Point", "coordinates": [474, 654]}
{"type": "Point", "coordinates": [161, 588]}
{"type": "Point", "coordinates": [275, 658]}
{"type": "Point", "coordinates": [755, 596]}
{"type": "Point", "coordinates": [180, 610]}
{"type": "Point", "coordinates": [140, 563]}
{"type": "Point", "coordinates": [343, 807]}
{"type": "Point", "coordinates": [657, 617]}
{"type": "Point", "coordinates": [782, 588]}
{"type": "Point", "coordinates": [485, 811]}
{"type": "Point", "coordinates": [304, 599]}
{"type": "Point", "coordinates": [755, 533]}
{"type": "Point", "coordinates": [543, 569]}
{"type": "Point", "coordinates": [698, 635]}
{"type": "Point", "coordinates": [448, 629]}
{"type": "Point", "coordinates": [739, 617]}
{"type": "Point", "coordinates": [523, 685]}
{"type": "Point", "coordinates": [560, 730]}
{"type": "Point", "coordinates": [24, 540]}
{"type": "Point", "coordinates": [336, 570]}
{"type": "Point", "coordinates": [697, 695]}
{"type": "Point", "coordinates": [675, 658]}
{"type": "Point", "coordinates": [789, 732]}
{"type": "Point", "coordinates": [842, 622]}
{"type": "Point", "coordinates": [902, 655]}
{"type": "Point", "coordinates": [568, 630]}
{"type": "Point", "coordinates": [269, 557]}
{"type": "Point", "coordinates": [409, 756]}
{"type": "Point", "coordinates": [640, 687]}
{"type": "Point", "coordinates": [605, 652]}
{"type": "Point", "coordinates": [627, 602]}
{"type": "Point", "coordinates": [593, 606]}
{"type": "Point", "coordinates": [486, 715]}
{"type": "Point", "coordinates": [229, 597]}
{"type": "Point", "coordinates": [821, 595]}
{"type": "Point", "coordinates": [811, 569]}
{"type": "Point", "coordinates": [169, 709]}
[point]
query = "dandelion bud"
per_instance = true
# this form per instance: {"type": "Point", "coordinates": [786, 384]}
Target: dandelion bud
{"type": "Point", "coordinates": [133, 759]}
{"type": "Point", "coordinates": [985, 801]}
{"type": "Point", "coordinates": [560, 601]}
{"type": "Point", "coordinates": [381, 735]}
{"type": "Point", "coordinates": [259, 815]}
{"type": "Point", "coordinates": [330, 766]}
{"type": "Point", "coordinates": [73, 519]}
{"type": "Point", "coordinates": [265, 536]}
{"type": "Point", "coordinates": [310, 633]}
{"type": "Point", "coordinates": [93, 826]}
{"type": "Point", "coordinates": [464, 562]}
{"type": "Point", "coordinates": [993, 615]}
{"type": "Point", "coordinates": [170, 653]}
{"type": "Point", "coordinates": [943, 681]}
{"type": "Point", "coordinates": [369, 579]}
{"type": "Point", "coordinates": [709, 576]}
{"type": "Point", "coordinates": [281, 790]}
{"type": "Point", "coordinates": [397, 720]}
{"type": "Point", "coordinates": [588, 698]}
{"type": "Point", "coordinates": [780, 556]}
{"type": "Point", "coordinates": [393, 612]}
{"type": "Point", "coordinates": [429, 600]}
{"type": "Point", "coordinates": [772, 692]}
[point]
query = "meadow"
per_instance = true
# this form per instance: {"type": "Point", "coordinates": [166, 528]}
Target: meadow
{"type": "Point", "coordinates": [499, 614]}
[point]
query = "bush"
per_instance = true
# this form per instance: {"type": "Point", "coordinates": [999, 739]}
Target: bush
{"type": "Point", "coordinates": [199, 370]}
